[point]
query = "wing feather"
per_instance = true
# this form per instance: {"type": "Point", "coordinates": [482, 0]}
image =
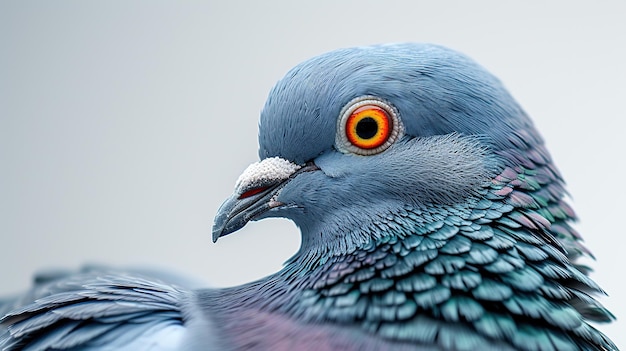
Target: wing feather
{"type": "Point", "coordinates": [92, 311]}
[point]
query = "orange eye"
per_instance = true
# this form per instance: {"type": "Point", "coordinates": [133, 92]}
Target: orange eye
{"type": "Point", "coordinates": [367, 125]}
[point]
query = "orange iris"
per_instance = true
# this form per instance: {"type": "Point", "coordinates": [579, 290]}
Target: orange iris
{"type": "Point", "coordinates": [368, 127]}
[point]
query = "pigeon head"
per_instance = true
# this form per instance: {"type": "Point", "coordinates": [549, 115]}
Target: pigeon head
{"type": "Point", "coordinates": [355, 135]}
{"type": "Point", "coordinates": [435, 90]}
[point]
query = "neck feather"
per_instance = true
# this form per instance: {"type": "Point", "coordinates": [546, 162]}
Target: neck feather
{"type": "Point", "coordinates": [496, 270]}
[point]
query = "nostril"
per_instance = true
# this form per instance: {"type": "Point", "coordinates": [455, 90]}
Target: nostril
{"type": "Point", "coordinates": [253, 191]}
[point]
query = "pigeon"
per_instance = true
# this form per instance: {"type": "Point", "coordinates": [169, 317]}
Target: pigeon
{"type": "Point", "coordinates": [431, 214]}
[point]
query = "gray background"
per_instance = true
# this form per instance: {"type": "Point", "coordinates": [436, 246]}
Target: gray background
{"type": "Point", "coordinates": [124, 124]}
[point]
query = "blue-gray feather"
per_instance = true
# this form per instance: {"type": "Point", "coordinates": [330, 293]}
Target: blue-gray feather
{"type": "Point", "coordinates": [91, 309]}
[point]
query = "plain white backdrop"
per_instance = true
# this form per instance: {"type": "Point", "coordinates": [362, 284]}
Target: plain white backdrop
{"type": "Point", "coordinates": [124, 124]}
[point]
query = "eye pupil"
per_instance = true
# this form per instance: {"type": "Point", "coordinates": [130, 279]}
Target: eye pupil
{"type": "Point", "coordinates": [367, 128]}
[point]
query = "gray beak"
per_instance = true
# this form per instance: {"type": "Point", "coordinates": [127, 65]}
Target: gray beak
{"type": "Point", "coordinates": [255, 193]}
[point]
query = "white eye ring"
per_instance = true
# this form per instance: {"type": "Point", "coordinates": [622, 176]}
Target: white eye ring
{"type": "Point", "coordinates": [392, 131]}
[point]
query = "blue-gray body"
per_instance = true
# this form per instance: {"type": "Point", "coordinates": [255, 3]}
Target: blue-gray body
{"type": "Point", "coordinates": [456, 237]}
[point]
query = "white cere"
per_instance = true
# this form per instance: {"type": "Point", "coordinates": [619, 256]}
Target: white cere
{"type": "Point", "coordinates": [265, 172]}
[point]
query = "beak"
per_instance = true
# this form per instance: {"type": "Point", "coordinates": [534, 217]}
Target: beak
{"type": "Point", "coordinates": [255, 193]}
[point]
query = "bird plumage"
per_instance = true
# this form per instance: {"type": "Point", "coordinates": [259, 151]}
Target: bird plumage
{"type": "Point", "coordinates": [454, 235]}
